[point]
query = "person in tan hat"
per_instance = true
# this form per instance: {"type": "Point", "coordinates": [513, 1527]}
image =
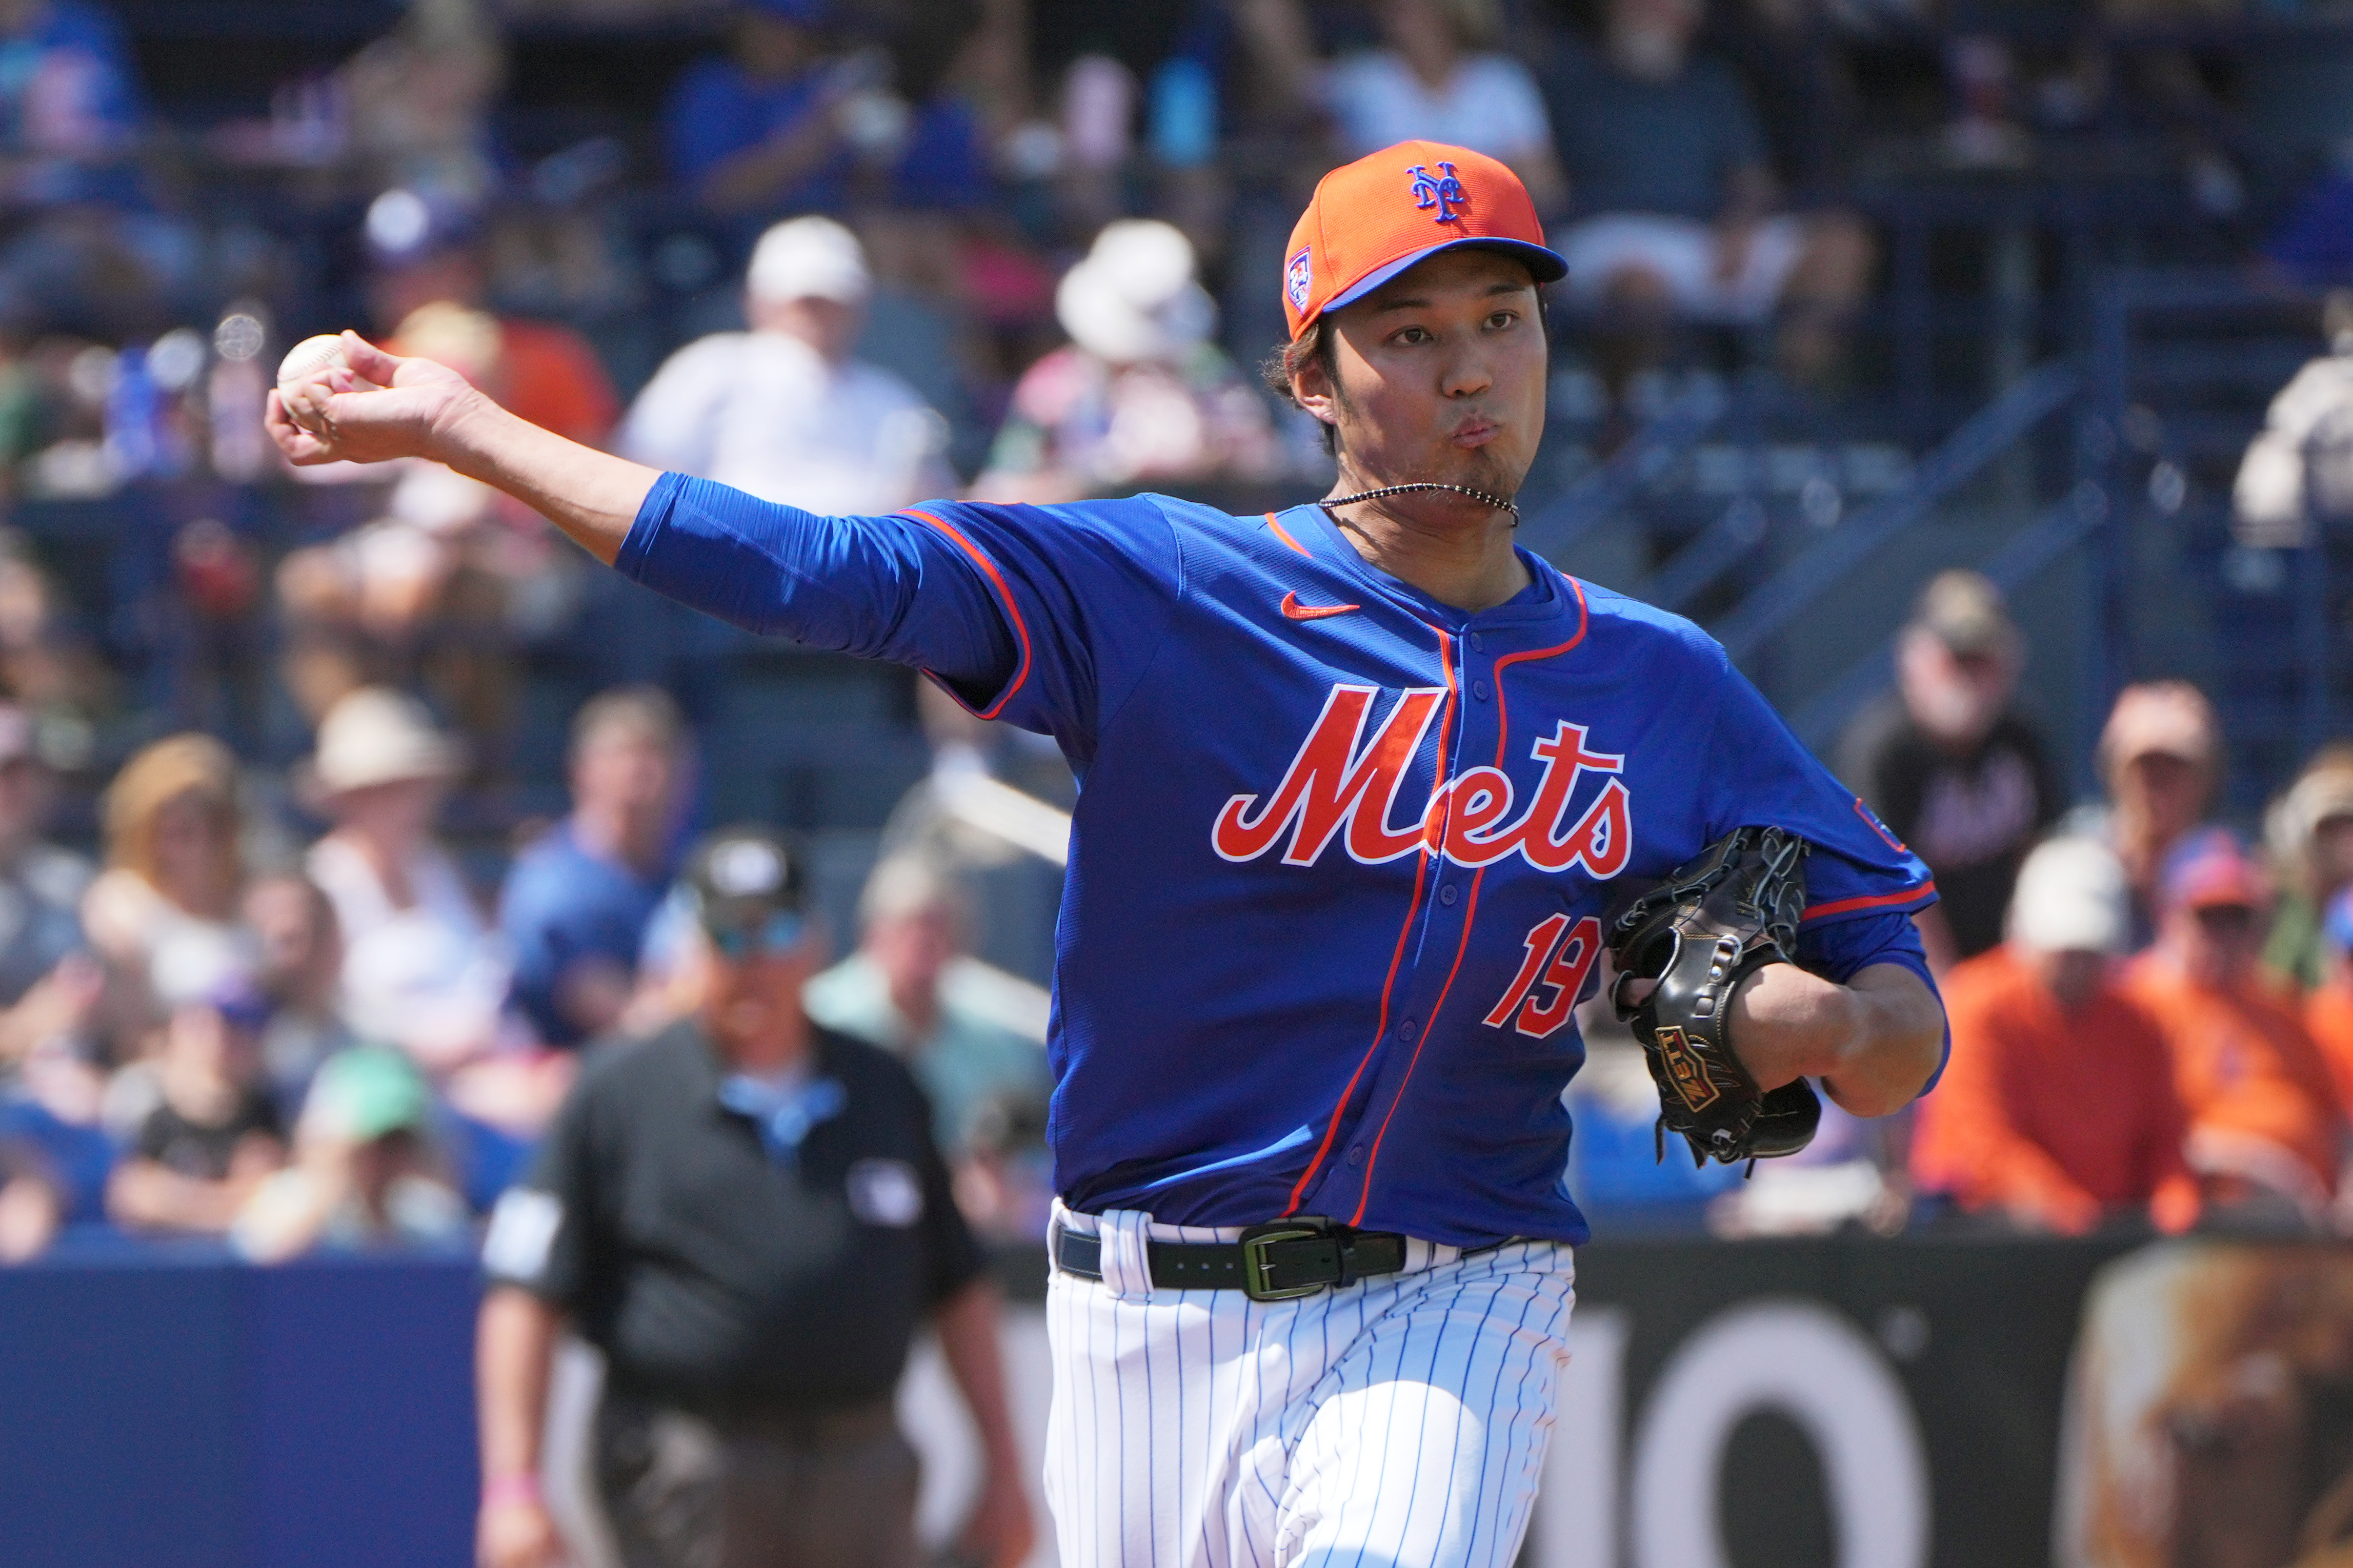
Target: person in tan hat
{"type": "Point", "coordinates": [2309, 832]}
{"type": "Point", "coordinates": [420, 967]}
{"type": "Point", "coordinates": [2264, 1121]}
{"type": "Point", "coordinates": [2161, 759]}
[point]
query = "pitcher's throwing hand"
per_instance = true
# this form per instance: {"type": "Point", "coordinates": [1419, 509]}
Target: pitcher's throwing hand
{"type": "Point", "coordinates": [373, 407]}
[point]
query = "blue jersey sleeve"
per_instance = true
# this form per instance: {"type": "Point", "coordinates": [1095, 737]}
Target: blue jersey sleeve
{"type": "Point", "coordinates": [1044, 616]}
{"type": "Point", "coordinates": [1840, 949]}
{"type": "Point", "coordinates": [1862, 886]}
{"type": "Point", "coordinates": [1760, 775]}
{"type": "Point", "coordinates": [850, 583]}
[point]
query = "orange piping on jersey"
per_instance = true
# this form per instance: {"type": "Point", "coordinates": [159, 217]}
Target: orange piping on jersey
{"type": "Point", "coordinates": [1872, 901]}
{"type": "Point", "coordinates": [1413, 906]}
{"type": "Point", "coordinates": [1503, 717]}
{"type": "Point", "coordinates": [1284, 535]}
{"type": "Point", "coordinates": [1471, 908]}
{"type": "Point", "coordinates": [1373, 1158]}
{"type": "Point", "coordinates": [1380, 1032]}
{"type": "Point", "coordinates": [1020, 627]}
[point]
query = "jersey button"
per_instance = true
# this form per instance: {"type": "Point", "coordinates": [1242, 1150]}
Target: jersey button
{"type": "Point", "coordinates": [1357, 1154]}
{"type": "Point", "coordinates": [1479, 689]}
{"type": "Point", "coordinates": [1405, 1028]}
{"type": "Point", "coordinates": [1475, 644]}
{"type": "Point", "coordinates": [1447, 895]}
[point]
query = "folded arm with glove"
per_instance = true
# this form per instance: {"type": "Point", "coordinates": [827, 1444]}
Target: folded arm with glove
{"type": "Point", "coordinates": [1731, 1027]}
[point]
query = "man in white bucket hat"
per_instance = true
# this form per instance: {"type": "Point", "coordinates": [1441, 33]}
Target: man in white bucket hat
{"type": "Point", "coordinates": [1142, 394]}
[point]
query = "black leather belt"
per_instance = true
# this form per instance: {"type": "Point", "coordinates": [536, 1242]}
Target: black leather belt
{"type": "Point", "coordinates": [1274, 1262]}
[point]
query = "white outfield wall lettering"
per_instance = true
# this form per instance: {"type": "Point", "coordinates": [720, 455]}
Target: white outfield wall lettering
{"type": "Point", "coordinates": [1794, 1357]}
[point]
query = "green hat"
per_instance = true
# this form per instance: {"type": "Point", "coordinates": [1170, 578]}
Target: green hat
{"type": "Point", "coordinates": [368, 1092]}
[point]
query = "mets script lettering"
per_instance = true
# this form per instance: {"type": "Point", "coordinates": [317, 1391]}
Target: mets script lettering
{"type": "Point", "coordinates": [1344, 785]}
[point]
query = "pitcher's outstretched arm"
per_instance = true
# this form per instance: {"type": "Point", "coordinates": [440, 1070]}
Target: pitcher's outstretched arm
{"type": "Point", "coordinates": [377, 406]}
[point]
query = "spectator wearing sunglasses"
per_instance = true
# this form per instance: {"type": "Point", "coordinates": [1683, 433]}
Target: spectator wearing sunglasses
{"type": "Point", "coordinates": [747, 1214]}
{"type": "Point", "coordinates": [2264, 1125]}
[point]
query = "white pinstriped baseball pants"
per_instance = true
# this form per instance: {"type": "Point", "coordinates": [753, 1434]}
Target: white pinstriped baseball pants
{"type": "Point", "coordinates": [1399, 1423]}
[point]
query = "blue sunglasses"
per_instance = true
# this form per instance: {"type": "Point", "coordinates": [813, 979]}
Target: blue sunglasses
{"type": "Point", "coordinates": [778, 932]}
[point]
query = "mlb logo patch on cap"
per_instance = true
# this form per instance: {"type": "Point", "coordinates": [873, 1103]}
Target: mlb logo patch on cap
{"type": "Point", "coordinates": [1297, 279]}
{"type": "Point", "coordinates": [1371, 219]}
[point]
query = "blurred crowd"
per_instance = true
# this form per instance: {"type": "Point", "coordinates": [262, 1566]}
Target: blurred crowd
{"type": "Point", "coordinates": [294, 1024]}
{"type": "Point", "coordinates": [2151, 1012]}
{"type": "Point", "coordinates": [1071, 215]}
{"type": "Point", "coordinates": [850, 253]}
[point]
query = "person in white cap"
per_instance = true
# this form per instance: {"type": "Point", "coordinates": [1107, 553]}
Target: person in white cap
{"type": "Point", "coordinates": [421, 969]}
{"type": "Point", "coordinates": [2011, 1131]}
{"type": "Point", "coordinates": [1142, 395]}
{"type": "Point", "coordinates": [786, 411]}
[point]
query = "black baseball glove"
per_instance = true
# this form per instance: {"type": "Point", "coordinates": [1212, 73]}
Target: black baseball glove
{"type": "Point", "coordinates": [1709, 926]}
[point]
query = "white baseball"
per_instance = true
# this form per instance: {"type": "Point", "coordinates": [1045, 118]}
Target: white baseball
{"type": "Point", "coordinates": [310, 354]}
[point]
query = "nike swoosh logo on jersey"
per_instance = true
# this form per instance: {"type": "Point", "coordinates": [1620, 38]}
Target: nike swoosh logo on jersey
{"type": "Point", "coordinates": [1293, 609]}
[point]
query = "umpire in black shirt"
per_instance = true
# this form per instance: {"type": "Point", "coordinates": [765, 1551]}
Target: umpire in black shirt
{"type": "Point", "coordinates": [747, 1216]}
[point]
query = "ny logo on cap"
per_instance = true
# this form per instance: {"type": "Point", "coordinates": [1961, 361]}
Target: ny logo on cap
{"type": "Point", "coordinates": [1445, 192]}
{"type": "Point", "coordinates": [1299, 280]}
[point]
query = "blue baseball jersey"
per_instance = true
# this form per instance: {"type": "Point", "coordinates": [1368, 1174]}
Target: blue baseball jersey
{"type": "Point", "coordinates": [1342, 854]}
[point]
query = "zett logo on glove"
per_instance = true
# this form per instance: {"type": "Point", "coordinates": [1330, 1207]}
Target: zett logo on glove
{"type": "Point", "coordinates": [1684, 1068]}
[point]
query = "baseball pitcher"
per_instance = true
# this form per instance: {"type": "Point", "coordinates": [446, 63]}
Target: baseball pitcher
{"type": "Point", "coordinates": [1366, 792]}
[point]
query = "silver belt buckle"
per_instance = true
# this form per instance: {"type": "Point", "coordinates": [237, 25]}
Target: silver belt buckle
{"type": "Point", "coordinates": [1257, 1267]}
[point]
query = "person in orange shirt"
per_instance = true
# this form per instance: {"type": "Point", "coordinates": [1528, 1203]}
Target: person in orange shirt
{"type": "Point", "coordinates": [2057, 1110]}
{"type": "Point", "coordinates": [2264, 1119]}
{"type": "Point", "coordinates": [426, 255]}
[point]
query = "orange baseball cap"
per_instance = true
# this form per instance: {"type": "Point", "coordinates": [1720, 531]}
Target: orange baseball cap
{"type": "Point", "coordinates": [1371, 219]}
